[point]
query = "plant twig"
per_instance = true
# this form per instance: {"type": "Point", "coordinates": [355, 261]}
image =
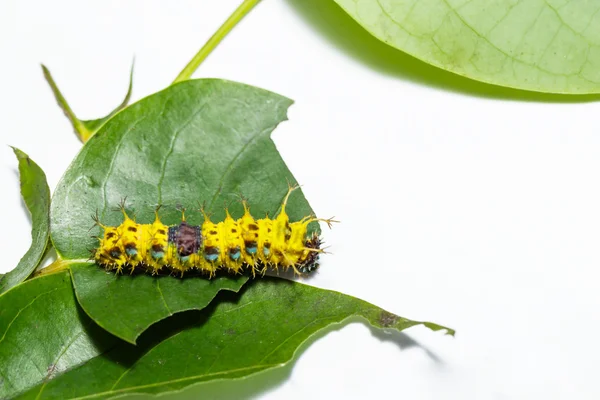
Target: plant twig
{"type": "Point", "coordinates": [215, 39]}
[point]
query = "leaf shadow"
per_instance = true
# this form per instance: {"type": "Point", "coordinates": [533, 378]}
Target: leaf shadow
{"type": "Point", "coordinates": [290, 275]}
{"type": "Point", "coordinates": [329, 19]}
{"type": "Point", "coordinates": [256, 385]}
{"type": "Point", "coordinates": [127, 354]}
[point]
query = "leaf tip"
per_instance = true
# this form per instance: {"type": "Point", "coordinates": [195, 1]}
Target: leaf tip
{"type": "Point", "coordinates": [436, 327]}
{"type": "Point", "coordinates": [48, 76]}
{"type": "Point", "coordinates": [20, 154]}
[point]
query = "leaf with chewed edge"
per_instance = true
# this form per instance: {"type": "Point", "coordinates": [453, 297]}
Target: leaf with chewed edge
{"type": "Point", "coordinates": [197, 141]}
{"type": "Point", "coordinates": [36, 195]}
{"type": "Point", "coordinates": [100, 293]}
{"type": "Point", "coordinates": [241, 334]}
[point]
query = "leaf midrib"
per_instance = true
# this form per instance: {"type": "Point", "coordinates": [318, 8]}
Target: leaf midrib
{"type": "Point", "coordinates": [195, 377]}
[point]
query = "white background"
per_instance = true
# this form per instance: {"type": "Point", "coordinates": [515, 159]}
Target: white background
{"type": "Point", "coordinates": [461, 203]}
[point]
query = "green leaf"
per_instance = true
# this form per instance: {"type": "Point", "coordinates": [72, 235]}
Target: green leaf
{"type": "Point", "coordinates": [36, 195]}
{"type": "Point", "coordinates": [199, 141]}
{"type": "Point", "coordinates": [546, 46]}
{"type": "Point", "coordinates": [85, 128]}
{"type": "Point", "coordinates": [243, 334]}
{"type": "Point", "coordinates": [43, 332]}
{"type": "Point", "coordinates": [100, 293]}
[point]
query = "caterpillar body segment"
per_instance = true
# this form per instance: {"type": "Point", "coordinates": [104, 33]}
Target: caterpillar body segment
{"type": "Point", "coordinates": [231, 245]}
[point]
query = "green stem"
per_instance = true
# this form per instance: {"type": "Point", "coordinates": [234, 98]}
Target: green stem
{"type": "Point", "coordinates": [215, 39]}
{"type": "Point", "coordinates": [58, 265]}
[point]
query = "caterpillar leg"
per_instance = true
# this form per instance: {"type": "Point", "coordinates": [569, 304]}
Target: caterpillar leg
{"type": "Point", "coordinates": [296, 271]}
{"type": "Point", "coordinates": [263, 270]}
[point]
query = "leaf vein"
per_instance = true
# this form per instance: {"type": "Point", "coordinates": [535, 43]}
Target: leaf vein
{"type": "Point", "coordinates": [114, 157]}
{"type": "Point", "coordinates": [179, 380]}
{"type": "Point", "coordinates": [62, 353]}
{"type": "Point", "coordinates": [160, 293]}
{"type": "Point", "coordinates": [23, 309]}
{"type": "Point", "coordinates": [234, 159]}
{"type": "Point", "coordinates": [163, 167]}
{"type": "Point", "coordinates": [298, 332]}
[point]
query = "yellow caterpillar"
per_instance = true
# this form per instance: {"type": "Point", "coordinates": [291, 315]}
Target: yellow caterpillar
{"type": "Point", "coordinates": [230, 245]}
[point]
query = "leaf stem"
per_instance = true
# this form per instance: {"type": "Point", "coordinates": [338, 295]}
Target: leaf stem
{"type": "Point", "coordinates": [58, 265]}
{"type": "Point", "coordinates": [215, 39]}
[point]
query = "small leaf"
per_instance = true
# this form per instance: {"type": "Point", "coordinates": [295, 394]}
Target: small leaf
{"type": "Point", "coordinates": [528, 44]}
{"type": "Point", "coordinates": [36, 194]}
{"type": "Point", "coordinates": [141, 300]}
{"type": "Point", "coordinates": [246, 333]}
{"type": "Point", "coordinates": [85, 128]}
{"type": "Point", "coordinates": [43, 332]}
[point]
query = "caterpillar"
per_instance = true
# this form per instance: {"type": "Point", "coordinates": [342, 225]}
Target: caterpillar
{"type": "Point", "coordinates": [231, 245]}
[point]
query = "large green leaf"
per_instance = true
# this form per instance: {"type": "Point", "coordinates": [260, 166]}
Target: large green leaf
{"type": "Point", "coordinates": [200, 141]}
{"type": "Point", "coordinates": [547, 46]}
{"type": "Point", "coordinates": [43, 332]}
{"type": "Point", "coordinates": [85, 129]}
{"type": "Point", "coordinates": [197, 141]}
{"type": "Point", "coordinates": [101, 293]}
{"type": "Point", "coordinates": [242, 335]}
{"type": "Point", "coordinates": [36, 195]}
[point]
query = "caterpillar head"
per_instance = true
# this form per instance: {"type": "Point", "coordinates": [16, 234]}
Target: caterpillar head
{"type": "Point", "coordinates": [311, 263]}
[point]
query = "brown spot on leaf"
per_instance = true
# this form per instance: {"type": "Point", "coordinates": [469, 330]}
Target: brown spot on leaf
{"type": "Point", "coordinates": [387, 319]}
